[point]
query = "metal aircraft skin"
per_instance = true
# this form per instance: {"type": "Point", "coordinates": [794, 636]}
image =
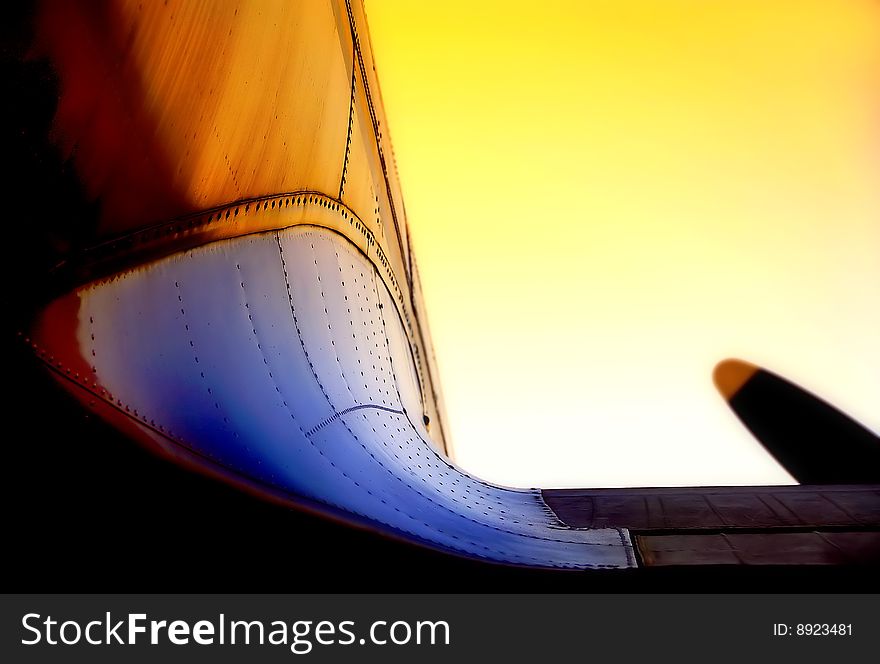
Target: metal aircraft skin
{"type": "Point", "coordinates": [235, 290]}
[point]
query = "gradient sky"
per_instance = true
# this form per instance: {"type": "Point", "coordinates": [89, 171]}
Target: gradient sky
{"type": "Point", "coordinates": [607, 198]}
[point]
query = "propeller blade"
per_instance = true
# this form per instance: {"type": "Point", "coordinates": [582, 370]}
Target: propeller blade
{"type": "Point", "coordinates": [811, 439]}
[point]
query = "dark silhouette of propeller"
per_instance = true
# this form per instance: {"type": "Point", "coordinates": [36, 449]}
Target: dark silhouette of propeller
{"type": "Point", "coordinates": [814, 441]}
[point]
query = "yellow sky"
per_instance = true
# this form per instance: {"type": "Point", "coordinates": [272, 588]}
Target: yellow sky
{"type": "Point", "coordinates": [607, 198]}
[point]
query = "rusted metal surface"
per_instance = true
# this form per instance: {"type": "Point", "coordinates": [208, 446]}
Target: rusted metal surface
{"type": "Point", "coordinates": [768, 548]}
{"type": "Point", "coordinates": [718, 507]}
{"type": "Point", "coordinates": [771, 525]}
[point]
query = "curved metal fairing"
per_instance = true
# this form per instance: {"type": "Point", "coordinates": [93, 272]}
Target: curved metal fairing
{"type": "Point", "coordinates": [279, 360]}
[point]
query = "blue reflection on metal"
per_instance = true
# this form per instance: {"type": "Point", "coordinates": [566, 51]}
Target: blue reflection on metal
{"type": "Point", "coordinates": [281, 357]}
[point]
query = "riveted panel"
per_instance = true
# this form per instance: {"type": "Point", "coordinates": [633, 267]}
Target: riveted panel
{"type": "Point", "coordinates": [278, 360]}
